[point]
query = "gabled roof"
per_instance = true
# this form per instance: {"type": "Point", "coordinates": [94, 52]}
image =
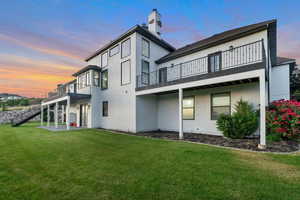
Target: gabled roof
{"type": "Point", "coordinates": [216, 40]}
{"type": "Point", "coordinates": [94, 67]}
{"type": "Point", "coordinates": [138, 29]}
{"type": "Point", "coordinates": [284, 60]}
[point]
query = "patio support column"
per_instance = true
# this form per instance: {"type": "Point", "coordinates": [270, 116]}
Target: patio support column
{"type": "Point", "coordinates": [48, 115]}
{"type": "Point", "coordinates": [68, 113]}
{"type": "Point", "coordinates": [42, 115]}
{"type": "Point", "coordinates": [262, 97]}
{"type": "Point", "coordinates": [180, 96]}
{"type": "Point", "coordinates": [56, 115]}
{"type": "Point", "coordinates": [62, 113]}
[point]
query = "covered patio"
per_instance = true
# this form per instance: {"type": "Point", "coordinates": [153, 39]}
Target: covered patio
{"type": "Point", "coordinates": [60, 106]}
{"type": "Point", "coordinates": [175, 122]}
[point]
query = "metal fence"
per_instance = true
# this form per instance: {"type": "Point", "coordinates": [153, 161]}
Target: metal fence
{"type": "Point", "coordinates": [234, 57]}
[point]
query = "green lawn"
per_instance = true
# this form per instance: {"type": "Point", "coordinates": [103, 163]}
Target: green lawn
{"type": "Point", "coordinates": [93, 164]}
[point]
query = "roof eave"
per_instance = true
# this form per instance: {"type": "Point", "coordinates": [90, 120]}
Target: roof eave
{"type": "Point", "coordinates": [136, 28]}
{"type": "Point", "coordinates": [286, 63]}
{"type": "Point", "coordinates": [89, 67]}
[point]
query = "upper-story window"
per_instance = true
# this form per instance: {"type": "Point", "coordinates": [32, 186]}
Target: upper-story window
{"type": "Point", "coordinates": [96, 79]}
{"type": "Point", "coordinates": [104, 79]}
{"type": "Point", "coordinates": [125, 48]}
{"type": "Point", "coordinates": [114, 50]}
{"type": "Point", "coordinates": [145, 72]}
{"type": "Point", "coordinates": [88, 78]}
{"type": "Point", "coordinates": [71, 88]}
{"type": "Point", "coordinates": [125, 72]}
{"type": "Point", "coordinates": [214, 62]}
{"type": "Point", "coordinates": [104, 58]}
{"type": "Point", "coordinates": [146, 48]}
{"type": "Point", "coordinates": [82, 81]}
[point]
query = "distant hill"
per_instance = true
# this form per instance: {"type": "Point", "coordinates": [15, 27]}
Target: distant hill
{"type": "Point", "coordinates": [7, 96]}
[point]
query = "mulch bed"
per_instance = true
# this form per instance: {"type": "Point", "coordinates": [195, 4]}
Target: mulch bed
{"type": "Point", "coordinates": [250, 144]}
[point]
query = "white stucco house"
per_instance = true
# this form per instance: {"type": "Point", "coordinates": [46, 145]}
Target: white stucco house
{"type": "Point", "coordinates": [139, 82]}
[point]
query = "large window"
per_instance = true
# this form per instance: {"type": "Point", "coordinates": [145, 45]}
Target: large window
{"type": "Point", "coordinates": [104, 59]}
{"type": "Point", "coordinates": [125, 72]}
{"type": "Point", "coordinates": [125, 48]}
{"type": "Point", "coordinates": [188, 108]}
{"type": "Point", "coordinates": [96, 79]}
{"type": "Point", "coordinates": [88, 79]}
{"type": "Point", "coordinates": [145, 72]}
{"type": "Point", "coordinates": [114, 50]}
{"type": "Point", "coordinates": [214, 62]}
{"type": "Point", "coordinates": [145, 48]}
{"type": "Point", "coordinates": [220, 104]}
{"type": "Point", "coordinates": [104, 79]}
{"type": "Point", "coordinates": [82, 81]}
{"type": "Point", "coordinates": [105, 108]}
{"type": "Point", "coordinates": [71, 88]}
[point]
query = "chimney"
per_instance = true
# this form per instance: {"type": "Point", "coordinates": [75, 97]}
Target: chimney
{"type": "Point", "coordinates": [154, 23]}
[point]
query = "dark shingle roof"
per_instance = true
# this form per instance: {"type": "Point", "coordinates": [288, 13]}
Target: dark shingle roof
{"type": "Point", "coordinates": [94, 67]}
{"type": "Point", "coordinates": [141, 31]}
{"type": "Point", "coordinates": [216, 39]}
{"type": "Point", "coordinates": [284, 60]}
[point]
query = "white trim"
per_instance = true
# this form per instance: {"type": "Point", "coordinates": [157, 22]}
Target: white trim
{"type": "Point", "coordinates": [62, 113]}
{"type": "Point", "coordinates": [48, 115]}
{"type": "Point", "coordinates": [55, 100]}
{"type": "Point", "coordinates": [262, 97]}
{"type": "Point", "coordinates": [68, 113]}
{"type": "Point", "coordinates": [180, 96]}
{"type": "Point", "coordinates": [222, 79]}
{"type": "Point", "coordinates": [56, 115]}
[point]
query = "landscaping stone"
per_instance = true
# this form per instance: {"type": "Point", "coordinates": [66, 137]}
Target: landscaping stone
{"type": "Point", "coordinates": [250, 144]}
{"type": "Point", "coordinates": [7, 116]}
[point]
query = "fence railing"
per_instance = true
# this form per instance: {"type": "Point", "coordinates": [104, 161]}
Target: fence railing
{"type": "Point", "coordinates": [234, 57]}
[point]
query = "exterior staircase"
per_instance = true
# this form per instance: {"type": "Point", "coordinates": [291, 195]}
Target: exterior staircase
{"type": "Point", "coordinates": [25, 117]}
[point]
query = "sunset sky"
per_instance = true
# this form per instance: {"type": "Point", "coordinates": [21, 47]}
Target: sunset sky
{"type": "Point", "coordinates": [42, 42]}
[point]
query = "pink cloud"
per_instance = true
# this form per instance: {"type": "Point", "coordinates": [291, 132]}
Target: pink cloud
{"type": "Point", "coordinates": [289, 41]}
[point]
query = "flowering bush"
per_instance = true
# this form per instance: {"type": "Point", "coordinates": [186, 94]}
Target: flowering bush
{"type": "Point", "coordinates": [283, 119]}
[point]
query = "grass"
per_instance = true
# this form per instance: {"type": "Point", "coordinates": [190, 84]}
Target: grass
{"type": "Point", "coordinates": [92, 164]}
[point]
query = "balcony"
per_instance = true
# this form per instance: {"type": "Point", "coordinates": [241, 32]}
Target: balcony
{"type": "Point", "coordinates": [62, 90]}
{"type": "Point", "coordinates": [239, 59]}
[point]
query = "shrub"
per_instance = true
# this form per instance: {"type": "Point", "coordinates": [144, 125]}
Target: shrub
{"type": "Point", "coordinates": [273, 137]}
{"type": "Point", "coordinates": [283, 119]}
{"type": "Point", "coordinates": [243, 122]}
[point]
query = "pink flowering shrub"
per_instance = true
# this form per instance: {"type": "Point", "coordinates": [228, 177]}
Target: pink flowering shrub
{"type": "Point", "coordinates": [283, 119]}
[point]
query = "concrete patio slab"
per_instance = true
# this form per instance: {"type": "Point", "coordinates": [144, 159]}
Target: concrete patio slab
{"type": "Point", "coordinates": [60, 128]}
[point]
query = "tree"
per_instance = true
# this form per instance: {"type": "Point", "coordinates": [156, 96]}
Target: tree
{"type": "Point", "coordinates": [24, 102]}
{"type": "Point", "coordinates": [295, 84]}
{"type": "Point", "coordinates": [3, 106]}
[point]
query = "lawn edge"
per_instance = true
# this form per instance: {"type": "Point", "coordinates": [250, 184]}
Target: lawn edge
{"type": "Point", "coordinates": [211, 145]}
